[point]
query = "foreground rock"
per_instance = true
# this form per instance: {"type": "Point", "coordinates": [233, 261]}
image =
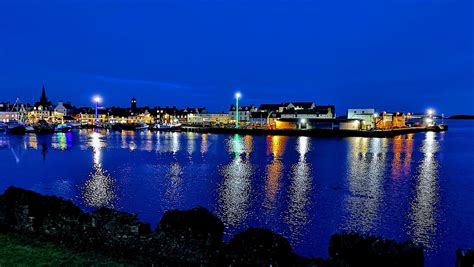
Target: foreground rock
{"type": "Point", "coordinates": [355, 250]}
{"type": "Point", "coordinates": [184, 238]}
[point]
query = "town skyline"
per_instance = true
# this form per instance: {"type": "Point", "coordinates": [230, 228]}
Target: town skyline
{"type": "Point", "coordinates": [46, 101]}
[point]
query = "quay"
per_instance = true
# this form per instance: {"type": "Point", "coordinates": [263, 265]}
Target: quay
{"type": "Point", "coordinates": [312, 132]}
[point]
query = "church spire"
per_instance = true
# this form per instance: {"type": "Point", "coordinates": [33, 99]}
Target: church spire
{"type": "Point", "coordinates": [43, 98]}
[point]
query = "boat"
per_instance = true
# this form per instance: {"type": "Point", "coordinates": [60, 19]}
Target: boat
{"type": "Point", "coordinates": [29, 129]}
{"type": "Point", "coordinates": [141, 126]}
{"type": "Point", "coordinates": [438, 128]}
{"type": "Point", "coordinates": [166, 127]}
{"type": "Point", "coordinates": [130, 126]}
{"type": "Point", "coordinates": [62, 128]}
{"type": "Point", "coordinates": [43, 128]}
{"type": "Point", "coordinates": [14, 127]}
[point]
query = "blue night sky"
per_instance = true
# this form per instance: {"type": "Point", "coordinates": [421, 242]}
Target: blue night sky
{"type": "Point", "coordinates": [404, 55]}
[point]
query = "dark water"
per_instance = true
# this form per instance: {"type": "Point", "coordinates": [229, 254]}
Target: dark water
{"type": "Point", "coordinates": [418, 186]}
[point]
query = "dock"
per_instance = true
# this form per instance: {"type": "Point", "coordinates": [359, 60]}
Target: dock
{"type": "Point", "coordinates": [311, 132]}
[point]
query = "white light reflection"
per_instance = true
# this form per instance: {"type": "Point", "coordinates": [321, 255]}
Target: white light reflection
{"type": "Point", "coordinates": [191, 138]}
{"type": "Point", "coordinates": [367, 162]}
{"type": "Point", "coordinates": [168, 142]}
{"type": "Point", "coordinates": [174, 184]}
{"type": "Point", "coordinates": [299, 190]}
{"type": "Point", "coordinates": [98, 190]}
{"type": "Point", "coordinates": [236, 187]}
{"type": "Point", "coordinates": [423, 217]}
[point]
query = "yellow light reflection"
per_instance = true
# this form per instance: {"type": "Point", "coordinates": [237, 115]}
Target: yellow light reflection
{"type": "Point", "coordinates": [32, 141]}
{"type": "Point", "coordinates": [275, 144]}
{"type": "Point", "coordinates": [204, 144]}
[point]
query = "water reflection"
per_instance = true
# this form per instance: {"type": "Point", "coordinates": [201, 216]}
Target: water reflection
{"type": "Point", "coordinates": [168, 142]}
{"type": "Point", "coordinates": [276, 148]}
{"type": "Point", "coordinates": [98, 190]}
{"type": "Point", "coordinates": [31, 141]}
{"type": "Point", "coordinates": [204, 144]}
{"type": "Point", "coordinates": [402, 149]}
{"type": "Point", "coordinates": [423, 217]}
{"type": "Point", "coordinates": [174, 184]}
{"type": "Point", "coordinates": [299, 190]}
{"type": "Point", "coordinates": [191, 137]}
{"type": "Point", "coordinates": [61, 141]}
{"type": "Point", "coordinates": [367, 160]}
{"type": "Point", "coordinates": [236, 186]}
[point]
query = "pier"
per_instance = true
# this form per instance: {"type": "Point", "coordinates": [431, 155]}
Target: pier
{"type": "Point", "coordinates": [311, 132]}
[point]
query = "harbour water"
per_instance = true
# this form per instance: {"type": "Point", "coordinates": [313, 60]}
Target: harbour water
{"type": "Point", "coordinates": [416, 186]}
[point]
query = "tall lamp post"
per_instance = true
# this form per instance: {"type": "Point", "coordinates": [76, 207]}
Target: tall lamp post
{"type": "Point", "coordinates": [97, 101]}
{"type": "Point", "coordinates": [237, 96]}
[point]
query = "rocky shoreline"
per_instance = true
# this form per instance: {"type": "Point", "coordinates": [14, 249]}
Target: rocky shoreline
{"type": "Point", "coordinates": [186, 238]}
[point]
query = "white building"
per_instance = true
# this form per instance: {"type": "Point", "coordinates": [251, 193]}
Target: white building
{"type": "Point", "coordinates": [209, 118]}
{"type": "Point", "coordinates": [366, 116]}
{"type": "Point", "coordinates": [244, 112]}
{"type": "Point", "coordinates": [60, 108]}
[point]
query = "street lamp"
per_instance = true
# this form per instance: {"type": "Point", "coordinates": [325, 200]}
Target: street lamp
{"type": "Point", "coordinates": [237, 96]}
{"type": "Point", "coordinates": [431, 112]}
{"type": "Point", "coordinates": [97, 101]}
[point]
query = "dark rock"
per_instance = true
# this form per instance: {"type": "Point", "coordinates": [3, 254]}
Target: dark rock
{"type": "Point", "coordinates": [355, 250]}
{"type": "Point", "coordinates": [192, 236]}
{"type": "Point", "coordinates": [464, 258]}
{"type": "Point", "coordinates": [27, 211]}
{"type": "Point", "coordinates": [186, 238]}
{"type": "Point", "coordinates": [118, 229]}
{"type": "Point", "coordinates": [260, 247]}
{"type": "Point", "coordinates": [197, 223]}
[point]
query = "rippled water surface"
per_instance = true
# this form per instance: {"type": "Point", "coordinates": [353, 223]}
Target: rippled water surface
{"type": "Point", "coordinates": [418, 186]}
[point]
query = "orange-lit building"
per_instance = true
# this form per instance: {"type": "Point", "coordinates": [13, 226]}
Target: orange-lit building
{"type": "Point", "coordinates": [390, 120]}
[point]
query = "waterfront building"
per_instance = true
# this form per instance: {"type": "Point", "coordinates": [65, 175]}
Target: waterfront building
{"type": "Point", "coordinates": [365, 115]}
{"type": "Point", "coordinates": [315, 112]}
{"type": "Point", "coordinates": [280, 108]}
{"type": "Point", "coordinates": [244, 113]}
{"type": "Point", "coordinates": [166, 115]}
{"type": "Point", "coordinates": [350, 124]}
{"type": "Point", "coordinates": [6, 116]}
{"type": "Point", "coordinates": [390, 120]}
{"type": "Point", "coordinates": [209, 119]}
{"type": "Point", "coordinates": [64, 108]}
{"type": "Point", "coordinates": [90, 119]}
{"type": "Point", "coordinates": [261, 118]}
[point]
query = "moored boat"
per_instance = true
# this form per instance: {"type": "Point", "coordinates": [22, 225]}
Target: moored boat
{"type": "Point", "coordinates": [14, 127]}
{"type": "Point", "coordinates": [166, 127]}
{"type": "Point", "coordinates": [29, 129]}
{"type": "Point", "coordinates": [43, 128]}
{"type": "Point", "coordinates": [141, 126]}
{"type": "Point", "coordinates": [62, 128]}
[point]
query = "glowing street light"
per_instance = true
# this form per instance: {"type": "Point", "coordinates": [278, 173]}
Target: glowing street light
{"type": "Point", "coordinates": [237, 96]}
{"type": "Point", "coordinates": [97, 101]}
{"type": "Point", "coordinates": [431, 112]}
